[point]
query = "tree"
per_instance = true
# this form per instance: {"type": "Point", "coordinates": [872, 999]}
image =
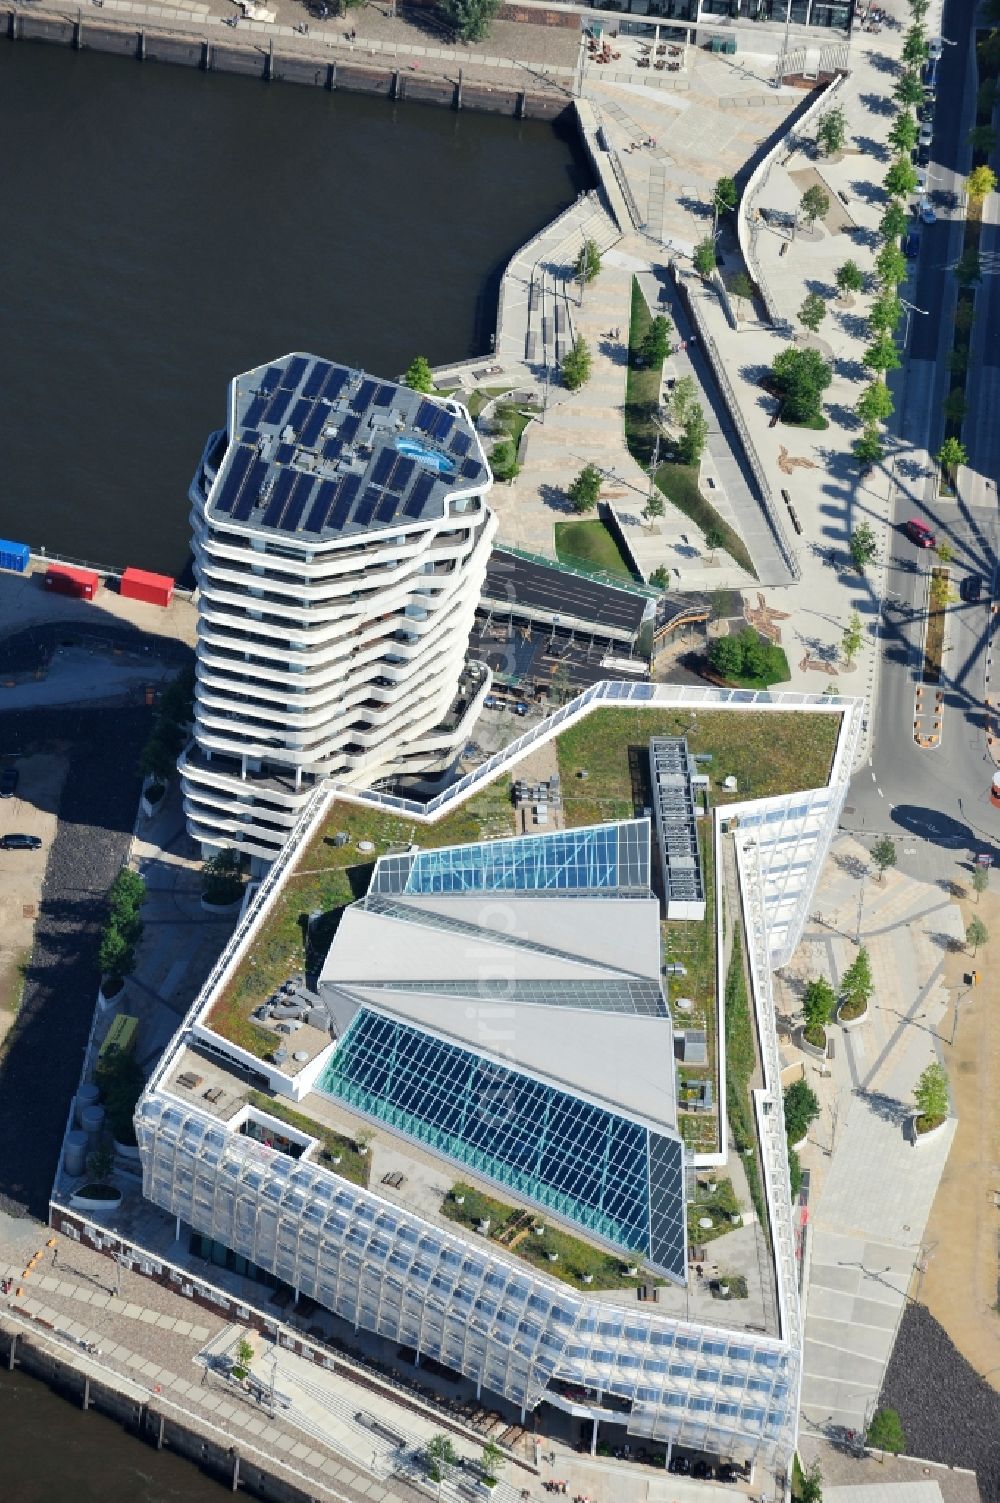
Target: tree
{"type": "Point", "coordinates": [885, 312]}
{"type": "Point", "coordinates": [890, 264]}
{"type": "Point", "coordinates": [654, 507]}
{"type": "Point", "coordinates": [222, 878]}
{"type": "Point", "coordinates": [986, 95]}
{"type": "Point", "coordinates": [856, 984]}
{"type": "Point", "coordinates": [976, 934]}
{"type": "Point", "coordinates": [811, 1486]}
{"type": "Point", "coordinates": [577, 364]}
{"type": "Point", "coordinates": [681, 398]}
{"type": "Point", "coordinates": [909, 90]}
{"type": "Point", "coordinates": [812, 312]}
{"type": "Point", "coordinates": [875, 404]}
{"type": "Point", "coordinates": [885, 1433]}
{"type": "Point", "coordinates": [815, 204]}
{"type": "Point", "coordinates": [905, 133]}
{"type": "Point", "coordinates": [863, 546]}
{"type": "Point", "coordinates": [817, 1005]}
{"type": "Point", "coordinates": [831, 131]}
{"type": "Point", "coordinates": [980, 182]}
{"type": "Point", "coordinates": [715, 538]}
{"type": "Point", "coordinates": [914, 52]}
{"type": "Point", "coordinates": [704, 258]}
{"type": "Point", "coordinates": [725, 654]}
{"type": "Point", "coordinates": [850, 642]}
{"type": "Point", "coordinates": [951, 454]}
{"type": "Point", "coordinates": [244, 1353]}
{"type": "Point", "coordinates": [158, 758]}
{"type": "Point", "coordinates": [980, 880]}
{"type": "Point", "coordinates": [587, 266]}
{"type": "Point", "coordinates": [101, 1162]}
{"type": "Point", "coordinates": [954, 405]}
{"type": "Point", "coordinates": [741, 287]}
{"type": "Point", "coordinates": [659, 577]}
{"type": "Point", "coordinates": [469, 19]}
{"type": "Point", "coordinates": [919, 9]}
{"type": "Point", "coordinates": [983, 138]}
{"type": "Point", "coordinates": [931, 1095]}
{"type": "Point", "coordinates": [965, 314]}
{"type": "Point", "coordinates": [967, 268]}
{"type": "Point", "coordinates": [586, 488]}
{"type": "Point", "coordinates": [881, 354]}
{"type": "Point", "coordinates": [868, 447]}
{"type": "Point", "coordinates": [656, 342]}
{"type": "Point", "coordinates": [801, 377]}
{"type": "Point", "coordinates": [849, 279]}
{"type": "Point", "coordinates": [418, 375]}
{"type": "Point", "coordinates": [492, 1462]}
{"type": "Point", "coordinates": [801, 1109]}
{"type": "Point", "coordinates": [694, 435]}
{"type": "Point", "coordinates": [893, 223]}
{"type": "Point", "coordinates": [726, 195]}
{"type": "Point", "coordinates": [503, 460]}
{"type": "Point", "coordinates": [901, 178]}
{"type": "Point", "coordinates": [958, 360]}
{"type": "Point", "coordinates": [440, 1456]}
{"type": "Point", "coordinates": [884, 855]}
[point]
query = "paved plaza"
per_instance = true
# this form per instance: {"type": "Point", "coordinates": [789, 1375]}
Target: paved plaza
{"type": "Point", "coordinates": [871, 1187]}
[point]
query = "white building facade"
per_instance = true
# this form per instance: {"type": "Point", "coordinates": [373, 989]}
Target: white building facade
{"type": "Point", "coordinates": [340, 536]}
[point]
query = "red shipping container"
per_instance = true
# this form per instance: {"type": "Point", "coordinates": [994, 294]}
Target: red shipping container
{"type": "Point", "coordinates": [65, 580]}
{"type": "Point", "coordinates": [155, 589]}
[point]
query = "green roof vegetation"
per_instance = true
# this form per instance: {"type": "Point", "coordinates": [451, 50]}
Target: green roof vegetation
{"type": "Point", "coordinates": [351, 1164]}
{"type": "Point", "coordinates": [514, 1229]}
{"type": "Point", "coordinates": [767, 751]}
{"type": "Point", "coordinates": [327, 878]}
{"type": "Point", "coordinates": [718, 1206]}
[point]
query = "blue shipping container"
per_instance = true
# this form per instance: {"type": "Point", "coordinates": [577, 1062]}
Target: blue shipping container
{"type": "Point", "coordinates": [14, 556]}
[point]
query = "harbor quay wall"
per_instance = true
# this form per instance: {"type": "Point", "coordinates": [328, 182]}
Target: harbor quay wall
{"type": "Point", "coordinates": [384, 80]}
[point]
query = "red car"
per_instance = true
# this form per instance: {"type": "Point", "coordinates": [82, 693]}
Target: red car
{"type": "Point", "coordinates": [918, 532]}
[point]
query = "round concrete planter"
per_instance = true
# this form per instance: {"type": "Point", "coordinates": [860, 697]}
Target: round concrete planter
{"type": "Point", "coordinates": [918, 1138]}
{"type": "Point", "coordinates": [104, 999]}
{"type": "Point", "coordinates": [810, 1049]}
{"type": "Point", "coordinates": [222, 907]}
{"type": "Point", "coordinates": [852, 1022]}
{"type": "Point", "coordinates": [94, 1206]}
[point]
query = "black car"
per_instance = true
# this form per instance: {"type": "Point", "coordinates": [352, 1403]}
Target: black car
{"type": "Point", "coordinates": [923, 156]}
{"type": "Point", "coordinates": [971, 588]}
{"type": "Point", "coordinates": [8, 782]}
{"type": "Point", "coordinates": [19, 843]}
{"type": "Point", "coordinates": [702, 1470]}
{"type": "Point", "coordinates": [680, 1466]}
{"type": "Point", "coordinates": [911, 245]}
{"type": "Point", "coordinates": [729, 1473]}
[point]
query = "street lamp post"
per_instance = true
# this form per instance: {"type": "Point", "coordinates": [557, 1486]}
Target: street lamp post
{"type": "Point", "coordinates": [910, 308]}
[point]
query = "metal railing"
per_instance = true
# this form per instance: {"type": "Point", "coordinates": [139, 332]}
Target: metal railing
{"type": "Point", "coordinates": [613, 581]}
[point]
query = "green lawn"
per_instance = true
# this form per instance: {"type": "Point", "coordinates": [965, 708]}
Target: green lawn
{"type": "Point", "coordinates": [329, 877]}
{"type": "Point", "coordinates": [515, 420]}
{"type": "Point", "coordinates": [779, 673]}
{"type": "Point", "coordinates": [679, 483]}
{"type": "Point", "coordinates": [768, 752]}
{"type": "Point", "coordinates": [513, 1229]}
{"type": "Point", "coordinates": [692, 942]}
{"type": "Point", "coordinates": [481, 396]}
{"type": "Point", "coordinates": [741, 1062]}
{"type": "Point", "coordinates": [590, 545]}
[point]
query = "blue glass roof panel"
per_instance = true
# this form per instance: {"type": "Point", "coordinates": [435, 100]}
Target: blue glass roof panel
{"type": "Point", "coordinates": [294, 371]}
{"type": "Point", "coordinates": [313, 426]}
{"type": "Point", "coordinates": [317, 376]}
{"type": "Point", "coordinates": [238, 467]}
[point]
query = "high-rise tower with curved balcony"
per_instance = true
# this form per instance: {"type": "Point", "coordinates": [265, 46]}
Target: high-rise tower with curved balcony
{"type": "Point", "coordinates": [341, 536]}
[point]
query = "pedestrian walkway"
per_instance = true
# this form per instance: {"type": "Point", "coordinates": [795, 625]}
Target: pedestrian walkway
{"type": "Point", "coordinates": [871, 1187]}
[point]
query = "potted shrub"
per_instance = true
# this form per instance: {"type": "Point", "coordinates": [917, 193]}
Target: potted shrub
{"type": "Point", "coordinates": [801, 1109]}
{"type": "Point", "coordinates": [856, 988]}
{"type": "Point", "coordinates": [122, 931]}
{"type": "Point", "coordinates": [931, 1100]}
{"type": "Point", "coordinates": [817, 1005]}
{"type": "Point", "coordinates": [222, 880]}
{"type": "Point", "coordinates": [98, 1195]}
{"type": "Point", "coordinates": [244, 1356]}
{"type": "Point", "coordinates": [121, 1081]}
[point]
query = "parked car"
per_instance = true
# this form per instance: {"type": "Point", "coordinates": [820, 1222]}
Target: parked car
{"type": "Point", "coordinates": [491, 702]}
{"type": "Point", "coordinates": [935, 47]}
{"type": "Point", "coordinates": [911, 245]}
{"type": "Point", "coordinates": [918, 532]}
{"type": "Point", "coordinates": [928, 76]}
{"type": "Point", "coordinates": [971, 588]}
{"type": "Point", "coordinates": [680, 1466]}
{"type": "Point", "coordinates": [520, 708]}
{"type": "Point", "coordinates": [19, 842]}
{"type": "Point", "coordinates": [928, 213]}
{"type": "Point", "coordinates": [923, 154]}
{"type": "Point", "coordinates": [8, 782]}
{"type": "Point", "coordinates": [926, 133]}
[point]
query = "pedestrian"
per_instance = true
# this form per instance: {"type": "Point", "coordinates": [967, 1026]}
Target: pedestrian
{"type": "Point", "coordinates": [618, 332]}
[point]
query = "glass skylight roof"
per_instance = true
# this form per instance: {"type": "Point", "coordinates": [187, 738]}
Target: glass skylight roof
{"type": "Point", "coordinates": [610, 1175]}
{"type": "Point", "coordinates": [599, 858]}
{"type": "Point", "coordinates": [638, 997]}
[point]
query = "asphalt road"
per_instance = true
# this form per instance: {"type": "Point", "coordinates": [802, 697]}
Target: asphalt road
{"type": "Point", "coordinates": [934, 803]}
{"type": "Point", "coordinates": [520, 582]}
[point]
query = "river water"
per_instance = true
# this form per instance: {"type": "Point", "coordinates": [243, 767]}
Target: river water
{"type": "Point", "coordinates": [164, 229]}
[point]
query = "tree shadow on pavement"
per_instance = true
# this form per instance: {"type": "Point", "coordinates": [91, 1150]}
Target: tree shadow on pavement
{"type": "Point", "coordinates": [886, 1108]}
{"type": "Point", "coordinates": [878, 104]}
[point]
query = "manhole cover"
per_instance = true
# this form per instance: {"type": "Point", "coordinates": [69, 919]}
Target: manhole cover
{"type": "Point", "coordinates": [27, 910]}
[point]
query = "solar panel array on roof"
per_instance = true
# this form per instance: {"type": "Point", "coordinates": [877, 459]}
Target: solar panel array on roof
{"type": "Point", "coordinates": [312, 429]}
{"type": "Point", "coordinates": [278, 408]}
{"type": "Point", "coordinates": [361, 401]}
{"type": "Point", "coordinates": [348, 430]}
{"type": "Point", "coordinates": [426, 414]}
{"type": "Point", "coordinates": [335, 383]}
{"type": "Point", "coordinates": [386, 509]}
{"type": "Point", "coordinates": [318, 374]}
{"type": "Point", "coordinates": [294, 371]}
{"type": "Point", "coordinates": [254, 412]}
{"type": "Point", "coordinates": [346, 496]}
{"type": "Point", "coordinates": [332, 448]}
{"type": "Point", "coordinates": [366, 506]}
{"type": "Point", "coordinates": [270, 378]}
{"type": "Point", "coordinates": [297, 503]}
{"type": "Point", "coordinates": [321, 505]}
{"type": "Point", "coordinates": [460, 444]}
{"type": "Point", "coordinates": [250, 494]}
{"type": "Point", "coordinates": [419, 496]}
{"type": "Point", "coordinates": [470, 469]}
{"type": "Point", "coordinates": [234, 480]}
{"type": "Point", "coordinates": [400, 477]}
{"type": "Point", "coordinates": [276, 505]}
{"type": "Point", "coordinates": [300, 412]}
{"type": "Point", "coordinates": [384, 466]}
{"type": "Point", "coordinates": [383, 396]}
